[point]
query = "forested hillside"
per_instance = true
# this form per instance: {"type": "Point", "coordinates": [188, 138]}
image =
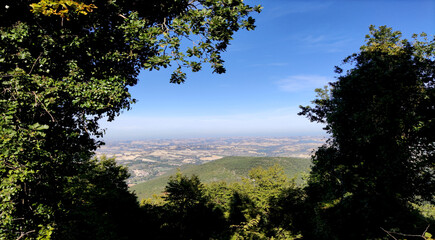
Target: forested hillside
{"type": "Point", "coordinates": [228, 169]}
{"type": "Point", "coordinates": [248, 209]}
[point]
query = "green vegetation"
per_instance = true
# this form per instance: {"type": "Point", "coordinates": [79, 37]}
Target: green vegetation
{"type": "Point", "coordinates": [241, 210]}
{"type": "Point", "coordinates": [66, 64]}
{"type": "Point", "coordinates": [228, 169]}
{"type": "Point", "coordinates": [381, 155]}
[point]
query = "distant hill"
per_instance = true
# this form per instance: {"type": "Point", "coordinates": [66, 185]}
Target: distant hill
{"type": "Point", "coordinates": [229, 169]}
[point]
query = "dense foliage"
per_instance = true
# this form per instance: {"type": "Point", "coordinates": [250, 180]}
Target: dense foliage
{"type": "Point", "coordinates": [381, 154]}
{"type": "Point", "coordinates": [265, 205]}
{"type": "Point", "coordinates": [66, 64]}
{"type": "Point", "coordinates": [219, 210]}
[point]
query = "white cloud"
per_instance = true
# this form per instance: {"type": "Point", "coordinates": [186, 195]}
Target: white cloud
{"type": "Point", "coordinates": [324, 42]}
{"type": "Point", "coordinates": [311, 39]}
{"type": "Point", "coordinates": [297, 83]}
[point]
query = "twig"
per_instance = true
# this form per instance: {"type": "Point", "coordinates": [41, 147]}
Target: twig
{"type": "Point", "coordinates": [84, 121]}
{"type": "Point", "coordinates": [427, 228]}
{"type": "Point", "coordinates": [10, 165]}
{"type": "Point", "coordinates": [407, 235]}
{"type": "Point", "coordinates": [37, 59]}
{"type": "Point", "coordinates": [191, 4]}
{"type": "Point", "coordinates": [166, 28]}
{"type": "Point", "coordinates": [389, 233]}
{"type": "Point", "coordinates": [24, 234]}
{"type": "Point", "coordinates": [45, 108]}
{"type": "Point", "coordinates": [7, 75]}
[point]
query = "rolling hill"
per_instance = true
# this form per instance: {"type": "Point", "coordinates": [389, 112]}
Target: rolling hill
{"type": "Point", "coordinates": [229, 169]}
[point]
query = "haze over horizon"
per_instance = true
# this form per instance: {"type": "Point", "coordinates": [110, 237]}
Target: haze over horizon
{"type": "Point", "coordinates": [270, 72]}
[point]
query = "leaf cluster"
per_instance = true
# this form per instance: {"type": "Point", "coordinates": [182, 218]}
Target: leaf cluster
{"type": "Point", "coordinates": [61, 8]}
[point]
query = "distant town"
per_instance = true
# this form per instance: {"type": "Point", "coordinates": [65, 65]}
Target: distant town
{"type": "Point", "coordinates": [147, 159]}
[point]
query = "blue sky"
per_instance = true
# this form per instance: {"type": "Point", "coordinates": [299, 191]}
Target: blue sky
{"type": "Point", "coordinates": [270, 72]}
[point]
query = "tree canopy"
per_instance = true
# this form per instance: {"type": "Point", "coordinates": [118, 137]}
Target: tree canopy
{"type": "Point", "coordinates": [66, 64]}
{"type": "Point", "coordinates": [381, 156]}
{"type": "Point", "coordinates": [221, 210]}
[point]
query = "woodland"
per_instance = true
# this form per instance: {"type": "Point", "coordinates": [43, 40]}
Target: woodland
{"type": "Point", "coordinates": [65, 64]}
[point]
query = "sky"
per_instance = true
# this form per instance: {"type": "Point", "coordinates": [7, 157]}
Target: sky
{"type": "Point", "coordinates": [270, 72]}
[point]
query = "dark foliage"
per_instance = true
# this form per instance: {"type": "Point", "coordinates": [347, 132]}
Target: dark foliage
{"type": "Point", "coordinates": [380, 157]}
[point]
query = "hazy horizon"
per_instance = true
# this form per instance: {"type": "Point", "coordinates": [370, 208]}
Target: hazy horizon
{"type": "Point", "coordinates": [175, 138]}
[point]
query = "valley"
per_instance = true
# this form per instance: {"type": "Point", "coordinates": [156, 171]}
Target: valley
{"type": "Point", "coordinates": [147, 159]}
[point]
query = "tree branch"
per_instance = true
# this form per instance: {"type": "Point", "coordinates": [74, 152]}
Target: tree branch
{"type": "Point", "coordinates": [43, 105]}
{"type": "Point", "coordinates": [37, 59]}
{"type": "Point", "coordinates": [406, 235]}
{"type": "Point", "coordinates": [24, 234]}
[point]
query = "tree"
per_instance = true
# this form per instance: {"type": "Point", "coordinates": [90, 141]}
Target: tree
{"type": "Point", "coordinates": [251, 209]}
{"type": "Point", "coordinates": [98, 205]}
{"type": "Point", "coordinates": [380, 156]}
{"type": "Point", "coordinates": [253, 204]}
{"type": "Point", "coordinates": [66, 64]}
{"type": "Point", "coordinates": [187, 212]}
